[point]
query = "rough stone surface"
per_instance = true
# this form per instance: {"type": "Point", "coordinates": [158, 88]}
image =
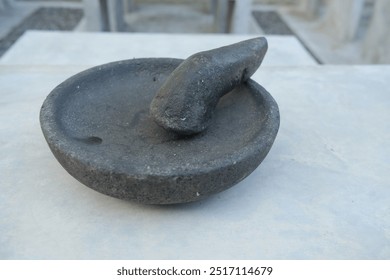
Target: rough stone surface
{"type": "Point", "coordinates": [186, 101]}
{"type": "Point", "coordinates": [98, 126]}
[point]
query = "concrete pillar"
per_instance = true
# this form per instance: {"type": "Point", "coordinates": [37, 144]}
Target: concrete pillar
{"type": "Point", "coordinates": [309, 8]}
{"type": "Point", "coordinates": [376, 44]}
{"type": "Point", "coordinates": [104, 15]}
{"type": "Point", "coordinates": [221, 23]}
{"type": "Point", "coordinates": [116, 19]}
{"type": "Point", "coordinates": [232, 16]}
{"type": "Point", "coordinates": [341, 19]}
{"type": "Point", "coordinates": [95, 14]}
{"type": "Point", "coordinates": [242, 14]}
{"type": "Point", "coordinates": [130, 6]}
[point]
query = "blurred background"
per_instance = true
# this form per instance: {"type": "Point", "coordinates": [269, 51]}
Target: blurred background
{"type": "Point", "coordinates": [323, 190]}
{"type": "Point", "coordinates": [332, 31]}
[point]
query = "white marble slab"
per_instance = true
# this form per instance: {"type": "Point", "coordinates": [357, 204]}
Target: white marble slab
{"type": "Point", "coordinates": [63, 48]}
{"type": "Point", "coordinates": [323, 192]}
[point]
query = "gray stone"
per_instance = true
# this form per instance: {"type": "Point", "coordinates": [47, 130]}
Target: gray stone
{"type": "Point", "coordinates": [186, 101]}
{"type": "Point", "coordinates": [98, 126]}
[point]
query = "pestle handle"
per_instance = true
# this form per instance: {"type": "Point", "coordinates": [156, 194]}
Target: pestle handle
{"type": "Point", "coordinates": [186, 101]}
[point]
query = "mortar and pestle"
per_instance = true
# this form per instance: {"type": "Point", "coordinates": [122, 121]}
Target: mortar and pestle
{"type": "Point", "coordinates": [164, 130]}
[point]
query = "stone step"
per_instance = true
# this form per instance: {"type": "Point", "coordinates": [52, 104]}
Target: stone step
{"type": "Point", "coordinates": [64, 48]}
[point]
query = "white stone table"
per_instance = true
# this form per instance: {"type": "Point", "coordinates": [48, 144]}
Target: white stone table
{"type": "Point", "coordinates": [64, 48]}
{"type": "Point", "coordinates": [323, 191]}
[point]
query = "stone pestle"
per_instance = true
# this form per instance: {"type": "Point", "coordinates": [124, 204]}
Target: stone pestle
{"type": "Point", "coordinates": [186, 101]}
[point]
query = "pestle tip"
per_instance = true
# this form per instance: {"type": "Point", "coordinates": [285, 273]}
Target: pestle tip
{"type": "Point", "coordinates": [186, 101]}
